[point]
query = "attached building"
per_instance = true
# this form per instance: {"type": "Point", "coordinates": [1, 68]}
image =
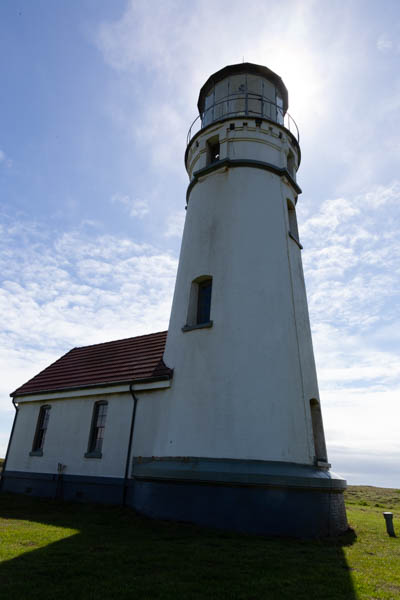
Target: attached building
{"type": "Point", "coordinates": [74, 424]}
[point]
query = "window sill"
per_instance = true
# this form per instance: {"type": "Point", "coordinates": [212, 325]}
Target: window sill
{"type": "Point", "coordinates": [93, 454]}
{"type": "Point", "coordinates": [36, 453]}
{"type": "Point", "coordinates": [198, 326]}
{"type": "Point", "coordinates": [295, 240]}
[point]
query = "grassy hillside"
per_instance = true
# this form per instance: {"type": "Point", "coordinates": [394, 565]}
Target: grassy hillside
{"type": "Point", "coordinates": [50, 550]}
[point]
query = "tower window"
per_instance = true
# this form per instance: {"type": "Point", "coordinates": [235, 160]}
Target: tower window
{"type": "Point", "coordinates": [199, 310]}
{"type": "Point", "coordinates": [291, 164]}
{"type": "Point", "coordinates": [213, 150]}
{"type": "Point", "coordinates": [41, 429]}
{"type": "Point", "coordinates": [293, 229]}
{"type": "Point", "coordinates": [318, 431]}
{"type": "Point", "coordinates": [204, 302]}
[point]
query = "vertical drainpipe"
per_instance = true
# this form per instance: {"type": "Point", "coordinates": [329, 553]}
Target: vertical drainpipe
{"type": "Point", "coordinates": [135, 401]}
{"type": "Point", "coordinates": [9, 444]}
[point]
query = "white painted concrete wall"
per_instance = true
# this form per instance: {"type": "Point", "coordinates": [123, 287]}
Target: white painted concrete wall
{"type": "Point", "coordinates": [241, 389]}
{"type": "Point", "coordinates": [67, 437]}
{"type": "Point", "coordinates": [245, 141]}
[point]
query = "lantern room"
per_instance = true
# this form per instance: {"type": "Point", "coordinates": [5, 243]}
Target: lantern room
{"type": "Point", "coordinates": [243, 90]}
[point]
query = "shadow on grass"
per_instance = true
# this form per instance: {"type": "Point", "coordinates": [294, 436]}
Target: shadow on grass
{"type": "Point", "coordinates": [118, 554]}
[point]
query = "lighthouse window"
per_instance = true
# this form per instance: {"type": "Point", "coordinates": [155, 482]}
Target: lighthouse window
{"type": "Point", "coordinates": [199, 309]}
{"type": "Point", "coordinates": [290, 164]}
{"type": "Point", "coordinates": [279, 110]}
{"type": "Point", "coordinates": [293, 229]}
{"type": "Point", "coordinates": [318, 431]}
{"type": "Point", "coordinates": [204, 301]}
{"type": "Point", "coordinates": [213, 154]}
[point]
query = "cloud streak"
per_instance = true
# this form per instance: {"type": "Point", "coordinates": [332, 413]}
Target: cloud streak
{"type": "Point", "coordinates": [135, 207]}
{"type": "Point", "coordinates": [352, 269]}
{"type": "Point", "coordinates": [62, 290]}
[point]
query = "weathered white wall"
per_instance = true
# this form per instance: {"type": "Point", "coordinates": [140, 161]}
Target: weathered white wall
{"type": "Point", "coordinates": [245, 141]}
{"type": "Point", "coordinates": [241, 389]}
{"type": "Point", "coordinates": [67, 437]}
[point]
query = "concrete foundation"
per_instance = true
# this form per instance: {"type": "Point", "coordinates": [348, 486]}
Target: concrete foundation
{"type": "Point", "coordinates": [258, 497]}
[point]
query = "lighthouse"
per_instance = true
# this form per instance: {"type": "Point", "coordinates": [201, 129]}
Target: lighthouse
{"type": "Point", "coordinates": [239, 441]}
{"type": "Point", "coordinates": [217, 421]}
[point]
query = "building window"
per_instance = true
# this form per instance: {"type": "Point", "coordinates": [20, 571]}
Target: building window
{"type": "Point", "coordinates": [293, 229]}
{"type": "Point", "coordinates": [213, 150]}
{"type": "Point", "coordinates": [204, 301]}
{"type": "Point", "coordinates": [97, 430]}
{"type": "Point", "coordinates": [199, 310]}
{"type": "Point", "coordinates": [291, 165]}
{"type": "Point", "coordinates": [41, 428]}
{"type": "Point", "coordinates": [318, 432]}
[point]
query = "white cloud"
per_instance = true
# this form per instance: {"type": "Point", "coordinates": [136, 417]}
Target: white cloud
{"type": "Point", "coordinates": [74, 289]}
{"type": "Point", "coordinates": [362, 434]}
{"type": "Point", "coordinates": [175, 224]}
{"type": "Point", "coordinates": [352, 258]}
{"type": "Point", "coordinates": [352, 270]}
{"type": "Point", "coordinates": [384, 43]}
{"type": "Point", "coordinates": [135, 206]}
{"type": "Point", "coordinates": [5, 160]}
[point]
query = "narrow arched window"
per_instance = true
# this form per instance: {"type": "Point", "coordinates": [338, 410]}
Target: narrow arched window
{"type": "Point", "coordinates": [41, 429]}
{"type": "Point", "coordinates": [204, 301]}
{"type": "Point", "coordinates": [97, 430]}
{"type": "Point", "coordinates": [318, 431]}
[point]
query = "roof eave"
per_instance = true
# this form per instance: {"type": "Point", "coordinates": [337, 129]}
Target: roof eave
{"type": "Point", "coordinates": [166, 377]}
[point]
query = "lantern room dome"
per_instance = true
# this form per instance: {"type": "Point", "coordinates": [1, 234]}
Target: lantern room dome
{"type": "Point", "coordinates": [244, 89]}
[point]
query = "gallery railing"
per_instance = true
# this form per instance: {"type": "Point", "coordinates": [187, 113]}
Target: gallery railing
{"type": "Point", "coordinates": [246, 105]}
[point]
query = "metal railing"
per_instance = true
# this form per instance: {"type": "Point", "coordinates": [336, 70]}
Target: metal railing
{"type": "Point", "coordinates": [244, 105]}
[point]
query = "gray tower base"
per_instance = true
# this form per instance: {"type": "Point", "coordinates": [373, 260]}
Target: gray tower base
{"type": "Point", "coordinates": [259, 497]}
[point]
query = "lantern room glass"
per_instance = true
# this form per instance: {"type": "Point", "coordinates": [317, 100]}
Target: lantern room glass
{"type": "Point", "coordinates": [243, 95]}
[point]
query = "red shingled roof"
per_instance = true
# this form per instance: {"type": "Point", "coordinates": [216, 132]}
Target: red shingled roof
{"type": "Point", "coordinates": [122, 361]}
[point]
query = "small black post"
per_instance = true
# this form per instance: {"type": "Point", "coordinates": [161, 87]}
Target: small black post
{"type": "Point", "coordinates": [389, 523]}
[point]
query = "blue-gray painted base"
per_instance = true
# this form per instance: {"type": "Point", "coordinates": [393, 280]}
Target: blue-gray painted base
{"type": "Point", "coordinates": [263, 511]}
{"type": "Point", "coordinates": [105, 490]}
{"type": "Point", "coordinates": [246, 496]}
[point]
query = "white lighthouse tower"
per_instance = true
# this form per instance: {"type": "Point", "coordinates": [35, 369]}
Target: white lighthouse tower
{"type": "Point", "coordinates": [239, 441]}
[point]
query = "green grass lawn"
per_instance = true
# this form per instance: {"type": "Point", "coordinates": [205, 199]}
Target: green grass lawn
{"type": "Point", "coordinates": [50, 550]}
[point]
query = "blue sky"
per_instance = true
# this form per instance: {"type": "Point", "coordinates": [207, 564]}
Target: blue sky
{"type": "Point", "coordinates": [95, 104]}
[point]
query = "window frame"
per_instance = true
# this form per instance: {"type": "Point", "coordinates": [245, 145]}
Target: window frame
{"type": "Point", "coordinates": [92, 449]}
{"type": "Point", "coordinates": [41, 430]}
{"type": "Point", "coordinates": [203, 308]}
{"type": "Point", "coordinates": [291, 164]}
{"type": "Point", "coordinates": [193, 320]}
{"type": "Point", "coordinates": [320, 453]}
{"type": "Point", "coordinates": [293, 229]}
{"type": "Point", "coordinates": [213, 150]}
